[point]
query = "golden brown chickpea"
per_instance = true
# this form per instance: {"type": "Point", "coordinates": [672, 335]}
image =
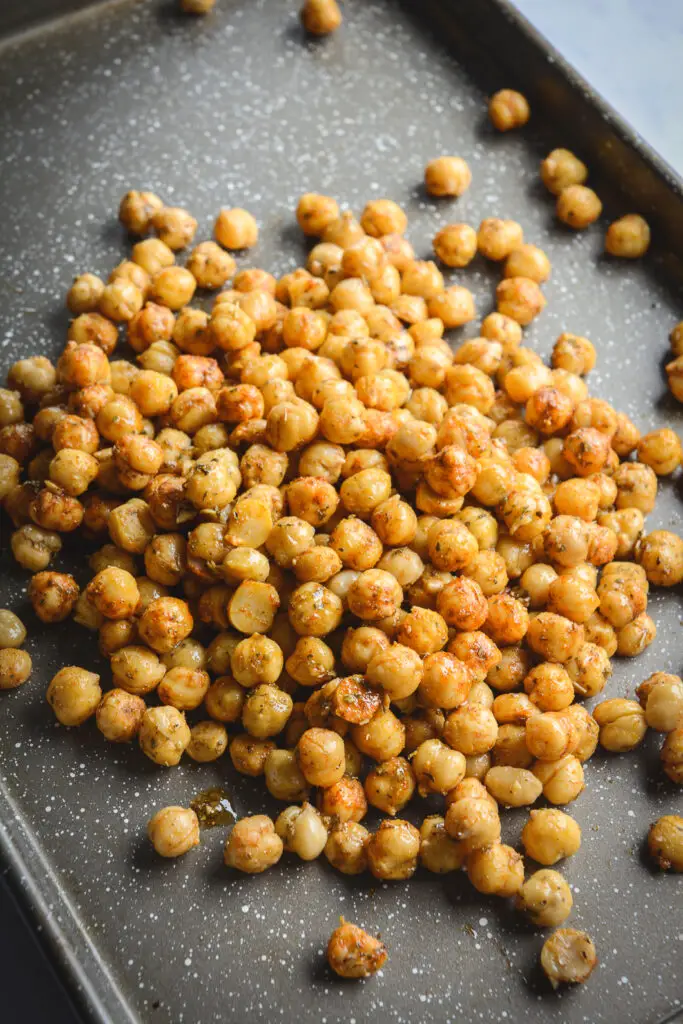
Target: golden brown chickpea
{"type": "Point", "coordinates": [554, 637]}
{"type": "Point", "coordinates": [447, 176]}
{"type": "Point", "coordinates": [375, 594]}
{"type": "Point", "coordinates": [520, 298]}
{"type": "Point", "coordinates": [661, 450]}
{"type": "Point", "coordinates": [390, 785]}
{"type": "Point", "coordinates": [393, 850]}
{"type": "Point", "coordinates": [136, 211]}
{"type": "Point", "coordinates": [562, 780]}
{"type": "Point", "coordinates": [660, 554]}
{"type": "Point", "coordinates": [438, 852]}
{"type": "Point", "coordinates": [382, 738]}
{"type": "Point", "coordinates": [437, 768]}
{"type": "Point", "coordinates": [550, 835]}
{"type": "Point", "coordinates": [119, 715]}
{"type": "Point", "coordinates": [10, 475]}
{"type": "Point", "coordinates": [622, 724]}
{"type": "Point", "coordinates": [253, 845]}
{"type": "Point", "coordinates": [121, 300]}
{"type": "Point", "coordinates": [74, 694]}
{"type": "Point", "coordinates": [628, 237]}
{"type": "Point", "coordinates": [11, 408]}
{"type": "Point", "coordinates": [472, 819]}
{"type": "Point", "coordinates": [85, 293]}
{"type": "Point", "coordinates": [568, 957]}
{"type": "Point", "coordinates": [52, 595]}
{"type": "Point", "coordinates": [424, 630]}
{"type": "Point", "coordinates": [266, 711]}
{"type": "Point", "coordinates": [633, 638]}
{"type": "Point", "coordinates": [560, 169]}
{"type": "Point", "coordinates": [664, 706]}
{"type": "Point", "coordinates": [172, 287]}
{"type": "Point", "coordinates": [12, 629]}
{"type": "Point", "coordinates": [344, 801]}
{"type": "Point", "coordinates": [512, 786]}
{"type": "Point", "coordinates": [351, 952]}
{"type": "Point", "coordinates": [546, 898]}
{"type": "Point", "coordinates": [665, 842]}
{"type": "Point", "coordinates": [578, 206]}
{"type": "Point", "coordinates": [210, 265]}
{"type": "Point", "coordinates": [346, 848]}
{"type": "Point", "coordinates": [174, 226]}
{"type": "Point", "coordinates": [528, 261]}
{"type": "Point", "coordinates": [508, 109]}
{"type": "Point", "coordinates": [15, 668]}
{"type": "Point", "coordinates": [496, 870]}
{"type": "Point", "coordinates": [456, 245]}
{"type": "Point", "coordinates": [471, 729]}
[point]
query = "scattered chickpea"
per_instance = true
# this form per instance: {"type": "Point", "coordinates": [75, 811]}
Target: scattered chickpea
{"type": "Point", "coordinates": [447, 176]}
{"type": "Point", "coordinates": [353, 953]}
{"type": "Point", "coordinates": [628, 237]}
{"type": "Point", "coordinates": [173, 831]}
{"type": "Point", "coordinates": [321, 17]}
{"type": "Point", "coordinates": [550, 835]}
{"type": "Point", "coordinates": [665, 842]}
{"type": "Point", "coordinates": [578, 206]}
{"type": "Point", "coordinates": [568, 957]}
{"type": "Point", "coordinates": [12, 629]}
{"type": "Point", "coordinates": [562, 168]}
{"type": "Point", "coordinates": [15, 667]}
{"type": "Point", "coordinates": [508, 109]}
{"type": "Point", "coordinates": [546, 898]}
{"type": "Point", "coordinates": [253, 845]}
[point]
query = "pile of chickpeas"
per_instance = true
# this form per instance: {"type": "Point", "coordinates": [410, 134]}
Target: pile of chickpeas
{"type": "Point", "coordinates": [361, 563]}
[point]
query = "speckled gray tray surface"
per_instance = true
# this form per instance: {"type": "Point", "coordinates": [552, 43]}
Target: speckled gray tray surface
{"type": "Point", "coordinates": [240, 109]}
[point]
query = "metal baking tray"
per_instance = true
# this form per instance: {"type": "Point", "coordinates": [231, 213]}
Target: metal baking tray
{"type": "Point", "coordinates": [239, 108]}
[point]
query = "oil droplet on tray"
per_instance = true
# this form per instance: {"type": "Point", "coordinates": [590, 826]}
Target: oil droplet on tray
{"type": "Point", "coordinates": [213, 807]}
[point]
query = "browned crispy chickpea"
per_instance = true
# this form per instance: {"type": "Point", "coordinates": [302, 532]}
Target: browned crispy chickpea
{"type": "Point", "coordinates": [382, 737]}
{"type": "Point", "coordinates": [660, 554]}
{"type": "Point", "coordinates": [375, 594]}
{"type": "Point", "coordinates": [508, 109]}
{"type": "Point", "coordinates": [628, 237]}
{"type": "Point", "coordinates": [578, 206]}
{"type": "Point", "coordinates": [554, 637]}
{"type": "Point", "coordinates": [10, 474]}
{"type": "Point", "coordinates": [15, 668]}
{"type": "Point", "coordinates": [174, 226]}
{"type": "Point", "coordinates": [351, 951]}
{"type": "Point", "coordinates": [456, 245]}
{"type": "Point", "coordinates": [53, 595]}
{"type": "Point", "coordinates": [210, 265]}
{"type": "Point", "coordinates": [74, 694]}
{"type": "Point", "coordinates": [393, 850]}
{"type": "Point", "coordinates": [665, 842]}
{"type": "Point", "coordinates": [560, 169]}
{"type": "Point", "coordinates": [471, 729]}
{"type": "Point", "coordinates": [253, 845]}
{"type": "Point", "coordinates": [496, 870]}
{"type": "Point", "coordinates": [661, 450]}
{"type": "Point", "coordinates": [390, 785]}
{"type": "Point", "coordinates": [528, 261]}
{"type": "Point", "coordinates": [119, 715]}
{"type": "Point", "coordinates": [497, 238]}
{"type": "Point", "coordinates": [136, 211]}
{"type": "Point", "coordinates": [424, 630]}
{"type": "Point", "coordinates": [520, 298]}
{"type": "Point", "coordinates": [164, 623]}
{"type": "Point", "coordinates": [568, 957]}
{"type": "Point", "coordinates": [54, 509]}
{"type": "Point", "coordinates": [447, 176]}
{"type": "Point", "coordinates": [85, 293]}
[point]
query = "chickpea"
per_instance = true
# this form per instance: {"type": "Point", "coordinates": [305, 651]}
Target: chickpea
{"type": "Point", "coordinates": [473, 821]}
{"type": "Point", "coordinates": [446, 680]}
{"type": "Point", "coordinates": [84, 294]}
{"type": "Point", "coordinates": [660, 554]}
{"type": "Point", "coordinates": [266, 711]}
{"type": "Point", "coordinates": [496, 870]}
{"type": "Point", "coordinates": [661, 450]}
{"type": "Point", "coordinates": [438, 852]}
{"type": "Point", "coordinates": [320, 756]}
{"type": "Point", "coordinates": [114, 592]}
{"type": "Point", "coordinates": [664, 705]}
{"type": "Point", "coordinates": [589, 670]}
{"type": "Point", "coordinates": [665, 842]}
{"type": "Point", "coordinates": [253, 845]}
{"type": "Point", "coordinates": [393, 850]}
{"type": "Point", "coordinates": [512, 786]}
{"type": "Point", "coordinates": [437, 767]}
{"type": "Point", "coordinates": [674, 373]}
{"type": "Point", "coordinates": [622, 724]}
{"type": "Point", "coordinates": [471, 729]}
{"type": "Point", "coordinates": [568, 957]}
{"type": "Point", "coordinates": [119, 715]}
{"type": "Point", "coordinates": [628, 237]}
{"type": "Point", "coordinates": [53, 595]}
{"type": "Point", "coordinates": [12, 629]}
{"type": "Point", "coordinates": [173, 831]}
{"type": "Point", "coordinates": [633, 638]}
{"type": "Point", "coordinates": [508, 109]}
{"type": "Point", "coordinates": [671, 755]}
{"type": "Point", "coordinates": [344, 801]}
{"type": "Point", "coordinates": [346, 848]}
{"type": "Point", "coordinates": [546, 898]}
{"type": "Point", "coordinates": [136, 211]}
{"type": "Point", "coordinates": [424, 630]}
{"type": "Point", "coordinates": [382, 738]}
{"type": "Point", "coordinates": [164, 623]}
{"type": "Point", "coordinates": [74, 694]}
{"type": "Point", "coordinates": [520, 298]}
{"type": "Point", "coordinates": [562, 779]}
{"type": "Point", "coordinates": [560, 169]}
{"type": "Point", "coordinates": [15, 668]}
{"type": "Point", "coordinates": [447, 176]}
{"type": "Point", "coordinates": [527, 261]}
{"type": "Point", "coordinates": [550, 835]}
{"type": "Point", "coordinates": [578, 206]}
{"type": "Point", "coordinates": [390, 785]}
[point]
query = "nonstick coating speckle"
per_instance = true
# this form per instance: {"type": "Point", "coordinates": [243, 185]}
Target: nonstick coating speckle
{"type": "Point", "coordinates": [240, 109]}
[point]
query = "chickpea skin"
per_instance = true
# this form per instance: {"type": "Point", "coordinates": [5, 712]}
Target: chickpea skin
{"type": "Point", "coordinates": [173, 831]}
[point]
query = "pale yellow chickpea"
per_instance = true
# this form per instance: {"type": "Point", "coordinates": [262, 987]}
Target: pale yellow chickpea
{"type": "Point", "coordinates": [11, 407]}
{"type": "Point", "coordinates": [562, 168]}
{"type": "Point", "coordinates": [578, 206]}
{"type": "Point", "coordinates": [528, 261]}
{"type": "Point", "coordinates": [393, 850]}
{"type": "Point", "coordinates": [12, 629]}
{"type": "Point", "coordinates": [266, 711]}
{"type": "Point", "coordinates": [119, 715]}
{"type": "Point", "coordinates": [512, 786]}
{"type": "Point", "coordinates": [568, 957]}
{"type": "Point", "coordinates": [508, 109]}
{"type": "Point", "coordinates": [224, 699]}
{"type": "Point", "coordinates": [346, 848]}
{"type": "Point", "coordinates": [253, 846]}
{"type": "Point", "coordinates": [173, 831]}
{"type": "Point", "coordinates": [34, 547]}
{"type": "Point", "coordinates": [471, 729]}
{"type": "Point", "coordinates": [663, 703]}
{"type": "Point", "coordinates": [382, 737]}
{"type": "Point", "coordinates": [562, 779]}
{"type": "Point", "coordinates": [496, 870]}
{"type": "Point", "coordinates": [15, 669]}
{"type": "Point", "coordinates": [472, 819]}
{"type": "Point", "coordinates": [573, 598]}
{"type": "Point", "coordinates": [550, 835]}
{"type": "Point", "coordinates": [438, 852]}
{"type": "Point", "coordinates": [622, 724]}
{"type": "Point", "coordinates": [546, 898]}
{"type": "Point", "coordinates": [535, 581]}
{"type": "Point", "coordinates": [447, 176]}
{"type": "Point", "coordinates": [390, 785]}
{"type": "Point", "coordinates": [74, 694]}
{"type": "Point", "coordinates": [628, 237]}
{"type": "Point", "coordinates": [437, 768]}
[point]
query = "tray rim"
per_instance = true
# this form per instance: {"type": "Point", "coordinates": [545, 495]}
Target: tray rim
{"type": "Point", "coordinates": [55, 923]}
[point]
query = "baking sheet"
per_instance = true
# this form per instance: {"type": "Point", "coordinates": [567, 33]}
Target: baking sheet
{"type": "Point", "coordinates": [240, 109]}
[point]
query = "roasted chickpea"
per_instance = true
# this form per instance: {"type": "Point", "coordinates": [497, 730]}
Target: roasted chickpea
{"type": "Point", "coordinates": [568, 956]}
{"type": "Point", "coordinates": [173, 831]}
{"type": "Point", "coordinates": [496, 870]}
{"type": "Point", "coordinates": [660, 554]}
{"type": "Point", "coordinates": [390, 785]}
{"type": "Point", "coordinates": [437, 768]}
{"type": "Point", "coordinates": [665, 842]}
{"type": "Point", "coordinates": [393, 850]}
{"type": "Point", "coordinates": [74, 694]}
{"type": "Point", "coordinates": [671, 755]}
{"type": "Point", "coordinates": [546, 898]}
{"type": "Point", "coordinates": [253, 845]}
{"type": "Point", "coordinates": [628, 237]}
{"type": "Point", "coordinates": [12, 629]}
{"type": "Point", "coordinates": [119, 715]}
{"type": "Point", "coordinates": [53, 595]}
{"type": "Point", "coordinates": [578, 206]}
{"type": "Point", "coordinates": [508, 109]}
{"type": "Point", "coordinates": [447, 176]}
{"type": "Point", "coordinates": [560, 169]}
{"type": "Point", "coordinates": [15, 668]}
